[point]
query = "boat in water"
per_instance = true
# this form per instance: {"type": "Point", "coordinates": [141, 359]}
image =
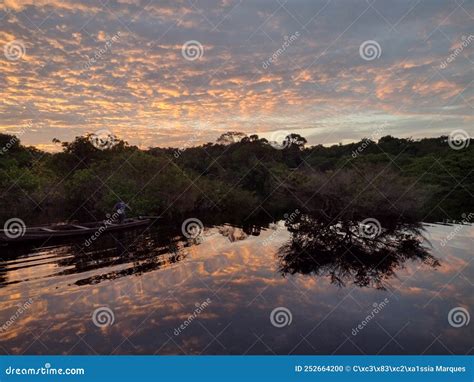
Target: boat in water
{"type": "Point", "coordinates": [67, 230]}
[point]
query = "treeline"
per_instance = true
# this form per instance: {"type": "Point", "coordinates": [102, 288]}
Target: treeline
{"type": "Point", "coordinates": [239, 176]}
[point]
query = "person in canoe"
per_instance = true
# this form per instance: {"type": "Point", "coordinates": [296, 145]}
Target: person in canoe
{"type": "Point", "coordinates": [121, 211]}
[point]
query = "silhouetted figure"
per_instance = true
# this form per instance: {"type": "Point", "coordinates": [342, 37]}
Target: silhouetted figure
{"type": "Point", "coordinates": [120, 209]}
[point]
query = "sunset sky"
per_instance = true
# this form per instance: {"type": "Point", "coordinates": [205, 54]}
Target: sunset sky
{"type": "Point", "coordinates": [72, 67]}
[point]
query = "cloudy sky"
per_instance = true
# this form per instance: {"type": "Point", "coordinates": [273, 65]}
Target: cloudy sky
{"type": "Point", "coordinates": [180, 72]}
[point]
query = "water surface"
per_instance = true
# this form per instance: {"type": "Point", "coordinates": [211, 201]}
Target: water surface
{"type": "Point", "coordinates": [216, 294]}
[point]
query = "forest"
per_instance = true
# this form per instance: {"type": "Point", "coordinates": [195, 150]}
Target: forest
{"type": "Point", "coordinates": [239, 176]}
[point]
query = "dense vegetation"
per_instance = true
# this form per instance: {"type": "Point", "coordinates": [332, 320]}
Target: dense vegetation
{"type": "Point", "coordinates": [239, 175]}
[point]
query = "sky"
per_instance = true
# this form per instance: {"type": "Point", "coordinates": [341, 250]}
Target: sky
{"type": "Point", "coordinates": [181, 72]}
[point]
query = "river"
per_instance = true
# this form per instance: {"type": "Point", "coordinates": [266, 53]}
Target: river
{"type": "Point", "coordinates": [235, 290]}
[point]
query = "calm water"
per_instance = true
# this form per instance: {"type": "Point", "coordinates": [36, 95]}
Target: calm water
{"type": "Point", "coordinates": [216, 294]}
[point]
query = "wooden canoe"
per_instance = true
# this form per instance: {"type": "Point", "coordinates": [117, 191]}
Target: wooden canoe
{"type": "Point", "coordinates": [71, 230]}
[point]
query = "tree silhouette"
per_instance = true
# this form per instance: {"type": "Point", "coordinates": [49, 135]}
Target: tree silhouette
{"type": "Point", "coordinates": [342, 253]}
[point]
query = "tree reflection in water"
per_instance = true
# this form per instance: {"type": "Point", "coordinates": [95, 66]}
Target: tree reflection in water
{"type": "Point", "coordinates": [131, 253]}
{"type": "Point", "coordinates": [145, 253]}
{"type": "Point", "coordinates": [342, 253]}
